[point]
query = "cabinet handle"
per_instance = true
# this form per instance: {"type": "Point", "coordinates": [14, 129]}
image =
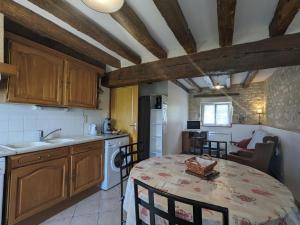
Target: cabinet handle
{"type": "Point", "coordinates": [49, 155]}
{"type": "Point", "coordinates": [39, 157]}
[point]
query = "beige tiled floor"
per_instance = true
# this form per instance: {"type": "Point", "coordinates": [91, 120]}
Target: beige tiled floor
{"type": "Point", "coordinates": [102, 208]}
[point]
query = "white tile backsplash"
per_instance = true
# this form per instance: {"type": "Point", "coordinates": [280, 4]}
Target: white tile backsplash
{"type": "Point", "coordinates": [20, 123]}
{"type": "Point", "coordinates": [15, 123]}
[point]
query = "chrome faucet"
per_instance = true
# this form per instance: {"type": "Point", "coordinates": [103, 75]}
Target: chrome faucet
{"type": "Point", "coordinates": [42, 137]}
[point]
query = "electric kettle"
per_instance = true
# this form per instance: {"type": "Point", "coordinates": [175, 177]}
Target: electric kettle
{"type": "Point", "coordinates": [93, 129]}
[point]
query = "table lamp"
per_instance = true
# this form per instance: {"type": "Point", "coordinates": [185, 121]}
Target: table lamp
{"type": "Point", "coordinates": [259, 112]}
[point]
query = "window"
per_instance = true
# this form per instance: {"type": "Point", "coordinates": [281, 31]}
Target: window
{"type": "Point", "coordinates": [216, 114]}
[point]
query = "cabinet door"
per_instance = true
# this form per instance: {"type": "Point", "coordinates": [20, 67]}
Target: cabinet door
{"type": "Point", "coordinates": [35, 188]}
{"type": "Point", "coordinates": [81, 85]}
{"type": "Point", "coordinates": [40, 77]}
{"type": "Point", "coordinates": [86, 170]}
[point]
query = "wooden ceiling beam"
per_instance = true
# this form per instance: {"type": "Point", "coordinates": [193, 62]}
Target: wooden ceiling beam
{"type": "Point", "coordinates": [192, 83]}
{"type": "Point", "coordinates": [226, 14]}
{"type": "Point", "coordinates": [128, 19]}
{"type": "Point", "coordinates": [209, 80]}
{"type": "Point", "coordinates": [75, 18]}
{"type": "Point", "coordinates": [268, 53]}
{"type": "Point", "coordinates": [46, 28]}
{"type": "Point", "coordinates": [216, 95]}
{"type": "Point", "coordinates": [176, 82]}
{"type": "Point", "coordinates": [249, 78]}
{"type": "Point", "coordinates": [173, 15]}
{"type": "Point", "coordinates": [285, 13]}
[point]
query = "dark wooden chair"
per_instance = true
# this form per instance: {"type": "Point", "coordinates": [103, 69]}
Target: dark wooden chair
{"type": "Point", "coordinates": [216, 149]}
{"type": "Point", "coordinates": [129, 155]}
{"type": "Point", "coordinates": [260, 158]}
{"type": "Point", "coordinates": [170, 215]}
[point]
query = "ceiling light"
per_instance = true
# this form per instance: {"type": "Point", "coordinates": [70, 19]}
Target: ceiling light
{"type": "Point", "coordinates": [218, 86]}
{"type": "Point", "coordinates": [105, 6]}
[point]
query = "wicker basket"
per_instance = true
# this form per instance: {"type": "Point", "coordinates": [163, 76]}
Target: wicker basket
{"type": "Point", "coordinates": [194, 166]}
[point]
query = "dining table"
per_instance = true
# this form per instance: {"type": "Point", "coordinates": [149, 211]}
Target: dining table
{"type": "Point", "coordinates": [251, 196]}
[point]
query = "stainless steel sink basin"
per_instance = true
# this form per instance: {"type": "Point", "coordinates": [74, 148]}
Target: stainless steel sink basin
{"type": "Point", "coordinates": [59, 140]}
{"type": "Point", "coordinates": [25, 145]}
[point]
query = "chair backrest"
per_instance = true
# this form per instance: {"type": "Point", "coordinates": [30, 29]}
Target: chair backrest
{"type": "Point", "coordinates": [128, 157]}
{"type": "Point", "coordinates": [262, 156]}
{"type": "Point", "coordinates": [273, 139]}
{"type": "Point", "coordinates": [216, 149]}
{"type": "Point", "coordinates": [171, 215]}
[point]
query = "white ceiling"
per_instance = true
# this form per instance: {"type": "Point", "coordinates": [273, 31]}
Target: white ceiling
{"type": "Point", "coordinates": [251, 24]}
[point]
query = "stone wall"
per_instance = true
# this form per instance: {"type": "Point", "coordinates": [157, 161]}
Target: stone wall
{"type": "Point", "coordinates": [283, 99]}
{"type": "Point", "coordinates": [244, 105]}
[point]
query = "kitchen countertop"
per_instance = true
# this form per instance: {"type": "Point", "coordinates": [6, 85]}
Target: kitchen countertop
{"type": "Point", "coordinates": [4, 151]}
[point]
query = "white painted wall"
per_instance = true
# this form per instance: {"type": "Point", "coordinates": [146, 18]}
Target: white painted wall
{"type": "Point", "coordinates": [177, 117]}
{"type": "Point", "coordinates": [290, 153]}
{"type": "Point", "coordinates": [236, 131]}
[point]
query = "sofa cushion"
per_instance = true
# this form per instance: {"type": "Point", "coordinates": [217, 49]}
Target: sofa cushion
{"type": "Point", "coordinates": [244, 143]}
{"type": "Point", "coordinates": [233, 148]}
{"type": "Point", "coordinates": [257, 137]}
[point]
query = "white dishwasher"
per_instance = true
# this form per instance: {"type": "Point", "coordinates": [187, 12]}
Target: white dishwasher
{"type": "Point", "coordinates": [2, 172]}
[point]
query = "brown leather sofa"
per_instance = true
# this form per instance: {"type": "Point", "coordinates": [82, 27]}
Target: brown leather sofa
{"type": "Point", "coordinates": [260, 158]}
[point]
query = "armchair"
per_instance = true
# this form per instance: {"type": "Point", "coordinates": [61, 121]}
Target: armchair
{"type": "Point", "coordinates": [260, 158]}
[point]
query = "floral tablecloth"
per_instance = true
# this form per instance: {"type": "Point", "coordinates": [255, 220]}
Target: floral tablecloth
{"type": "Point", "coordinates": [252, 197]}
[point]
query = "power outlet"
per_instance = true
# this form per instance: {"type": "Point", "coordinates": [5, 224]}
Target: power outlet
{"type": "Point", "coordinates": [85, 118]}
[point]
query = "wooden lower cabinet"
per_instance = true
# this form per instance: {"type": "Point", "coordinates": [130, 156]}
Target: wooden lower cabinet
{"type": "Point", "coordinates": [37, 187]}
{"type": "Point", "coordinates": [86, 171]}
{"type": "Point", "coordinates": [39, 181]}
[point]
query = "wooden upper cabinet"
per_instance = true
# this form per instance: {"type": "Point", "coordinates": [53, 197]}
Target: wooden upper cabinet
{"type": "Point", "coordinates": [80, 85]}
{"type": "Point", "coordinates": [47, 77]}
{"type": "Point", "coordinates": [40, 76]}
{"type": "Point", "coordinates": [35, 188]}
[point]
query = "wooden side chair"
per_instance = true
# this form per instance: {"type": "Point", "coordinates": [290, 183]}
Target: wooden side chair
{"type": "Point", "coordinates": [170, 215]}
{"type": "Point", "coordinates": [129, 155]}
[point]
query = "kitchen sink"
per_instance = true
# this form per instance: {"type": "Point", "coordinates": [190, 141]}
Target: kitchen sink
{"type": "Point", "coordinates": [59, 140]}
{"type": "Point", "coordinates": [45, 144]}
{"type": "Point", "coordinates": [24, 145]}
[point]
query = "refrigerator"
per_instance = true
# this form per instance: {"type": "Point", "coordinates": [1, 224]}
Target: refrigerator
{"type": "Point", "coordinates": [152, 125]}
